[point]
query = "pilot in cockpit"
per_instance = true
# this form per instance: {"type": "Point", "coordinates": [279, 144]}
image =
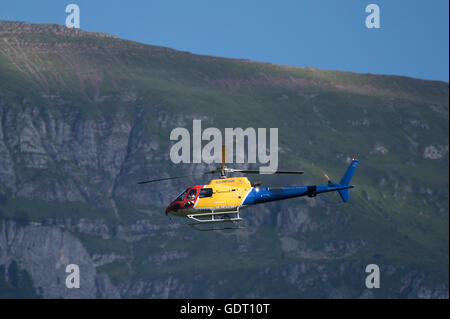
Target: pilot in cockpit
{"type": "Point", "coordinates": [192, 194]}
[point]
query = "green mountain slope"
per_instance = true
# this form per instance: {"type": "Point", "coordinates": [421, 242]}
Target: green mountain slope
{"type": "Point", "coordinates": [84, 116]}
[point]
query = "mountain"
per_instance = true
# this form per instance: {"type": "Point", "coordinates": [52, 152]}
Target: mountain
{"type": "Point", "coordinates": [85, 116]}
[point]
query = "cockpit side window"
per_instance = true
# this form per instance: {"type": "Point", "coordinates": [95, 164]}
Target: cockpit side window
{"type": "Point", "coordinates": [181, 196]}
{"type": "Point", "coordinates": [206, 192]}
{"type": "Point", "coordinates": [192, 194]}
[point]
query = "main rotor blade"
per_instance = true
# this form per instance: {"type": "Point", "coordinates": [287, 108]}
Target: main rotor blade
{"type": "Point", "coordinates": [176, 177]}
{"type": "Point", "coordinates": [252, 171]}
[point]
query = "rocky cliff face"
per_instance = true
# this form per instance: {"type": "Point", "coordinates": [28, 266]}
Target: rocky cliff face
{"type": "Point", "coordinates": [85, 116]}
{"type": "Point", "coordinates": [44, 252]}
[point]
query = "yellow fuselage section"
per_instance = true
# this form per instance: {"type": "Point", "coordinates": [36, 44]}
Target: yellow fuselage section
{"type": "Point", "coordinates": [227, 192]}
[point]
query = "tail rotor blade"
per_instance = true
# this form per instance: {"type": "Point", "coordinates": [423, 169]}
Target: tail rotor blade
{"type": "Point", "coordinates": [327, 178]}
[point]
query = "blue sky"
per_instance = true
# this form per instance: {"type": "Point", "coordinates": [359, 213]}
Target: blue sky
{"type": "Point", "coordinates": [328, 34]}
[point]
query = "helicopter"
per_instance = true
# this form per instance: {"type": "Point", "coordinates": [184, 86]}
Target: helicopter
{"type": "Point", "coordinates": [222, 199]}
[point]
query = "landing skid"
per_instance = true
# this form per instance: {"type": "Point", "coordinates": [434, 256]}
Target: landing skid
{"type": "Point", "coordinates": [215, 218]}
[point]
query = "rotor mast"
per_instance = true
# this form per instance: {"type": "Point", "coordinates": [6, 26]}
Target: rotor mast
{"type": "Point", "coordinates": [223, 165]}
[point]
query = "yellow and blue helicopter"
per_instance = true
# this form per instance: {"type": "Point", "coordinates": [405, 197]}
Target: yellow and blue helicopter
{"type": "Point", "coordinates": [221, 200]}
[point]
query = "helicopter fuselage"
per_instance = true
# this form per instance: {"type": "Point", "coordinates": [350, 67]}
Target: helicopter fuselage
{"type": "Point", "coordinates": [225, 194]}
{"type": "Point", "coordinates": [236, 193]}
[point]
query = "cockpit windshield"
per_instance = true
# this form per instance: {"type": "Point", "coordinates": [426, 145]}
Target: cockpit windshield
{"type": "Point", "coordinates": [181, 196]}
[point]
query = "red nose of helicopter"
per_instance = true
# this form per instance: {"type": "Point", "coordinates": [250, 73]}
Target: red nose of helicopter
{"type": "Point", "coordinates": [173, 206]}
